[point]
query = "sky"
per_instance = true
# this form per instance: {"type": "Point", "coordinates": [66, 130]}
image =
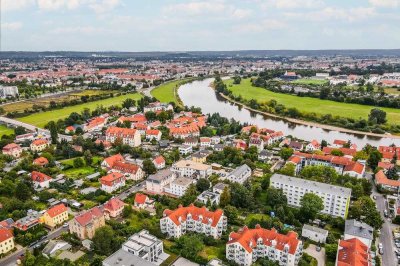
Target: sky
{"type": "Point", "coordinates": [198, 25]}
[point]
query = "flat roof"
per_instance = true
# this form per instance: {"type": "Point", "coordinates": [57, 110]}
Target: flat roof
{"type": "Point", "coordinates": [122, 257]}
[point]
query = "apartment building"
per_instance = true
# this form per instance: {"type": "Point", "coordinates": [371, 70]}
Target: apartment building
{"type": "Point", "coordinates": [179, 186]}
{"type": "Point", "coordinates": [353, 252]}
{"type": "Point", "coordinates": [8, 91]}
{"type": "Point", "coordinates": [128, 136]}
{"type": "Point", "coordinates": [13, 150]}
{"type": "Point", "coordinates": [85, 225]}
{"type": "Point", "coordinates": [56, 215]}
{"type": "Point", "coordinates": [6, 240]}
{"type": "Point", "coordinates": [239, 174]}
{"type": "Point", "coordinates": [112, 182]}
{"type": "Point", "coordinates": [178, 222]}
{"type": "Point", "coordinates": [40, 180]}
{"type": "Point", "coordinates": [336, 199]}
{"type": "Point", "coordinates": [248, 245]}
{"type": "Point", "coordinates": [188, 168]}
{"type": "Point", "coordinates": [156, 183]}
{"type": "Point", "coordinates": [39, 145]}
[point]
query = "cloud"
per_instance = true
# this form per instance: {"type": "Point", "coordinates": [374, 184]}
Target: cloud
{"type": "Point", "coordinates": [11, 25]}
{"type": "Point", "coordinates": [291, 4]}
{"type": "Point", "coordinates": [8, 5]}
{"type": "Point", "coordinates": [103, 6]}
{"type": "Point", "coordinates": [262, 26]}
{"type": "Point", "coordinates": [78, 30]}
{"type": "Point", "coordinates": [335, 14]}
{"type": "Point", "coordinates": [385, 3]}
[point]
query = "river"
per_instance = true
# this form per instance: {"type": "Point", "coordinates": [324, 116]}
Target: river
{"type": "Point", "coordinates": [199, 94]}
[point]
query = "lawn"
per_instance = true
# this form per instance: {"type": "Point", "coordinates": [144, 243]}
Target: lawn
{"type": "Point", "coordinates": [308, 104]}
{"type": "Point", "coordinates": [80, 172]}
{"type": "Point", "coordinates": [5, 131]}
{"type": "Point", "coordinates": [41, 119]}
{"type": "Point", "coordinates": [166, 92]}
{"type": "Point", "coordinates": [307, 81]}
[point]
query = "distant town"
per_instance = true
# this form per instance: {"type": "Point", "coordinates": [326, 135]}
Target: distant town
{"type": "Point", "coordinates": [108, 160]}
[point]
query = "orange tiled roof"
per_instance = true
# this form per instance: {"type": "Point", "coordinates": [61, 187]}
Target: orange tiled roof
{"type": "Point", "coordinates": [41, 161]}
{"type": "Point", "coordinates": [11, 146]}
{"type": "Point", "coordinates": [113, 159]}
{"type": "Point", "coordinates": [108, 180]}
{"type": "Point", "coordinates": [39, 177]}
{"type": "Point", "coordinates": [247, 238]}
{"type": "Point", "coordinates": [38, 142]}
{"type": "Point", "coordinates": [88, 216]}
{"type": "Point", "coordinates": [5, 234]}
{"type": "Point", "coordinates": [57, 210]}
{"type": "Point", "coordinates": [381, 179]}
{"type": "Point", "coordinates": [121, 132]}
{"type": "Point", "coordinates": [195, 212]}
{"type": "Point", "coordinates": [114, 204]}
{"type": "Point", "coordinates": [352, 252]}
{"type": "Point", "coordinates": [159, 159]}
{"type": "Point", "coordinates": [140, 198]}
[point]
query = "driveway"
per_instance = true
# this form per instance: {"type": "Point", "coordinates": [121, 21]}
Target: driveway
{"type": "Point", "coordinates": [319, 256]}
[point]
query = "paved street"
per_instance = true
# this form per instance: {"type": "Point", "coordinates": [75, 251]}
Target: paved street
{"type": "Point", "coordinates": [386, 237]}
{"type": "Point", "coordinates": [318, 255]}
{"type": "Point", "coordinates": [12, 259]}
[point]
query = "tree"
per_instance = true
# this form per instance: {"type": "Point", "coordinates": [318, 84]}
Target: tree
{"type": "Point", "coordinates": [128, 103]}
{"type": "Point", "coordinates": [285, 153]}
{"type": "Point", "coordinates": [288, 169]}
{"type": "Point", "coordinates": [23, 192]}
{"type": "Point", "coordinates": [53, 132]}
{"type": "Point", "coordinates": [19, 130]}
{"type": "Point", "coordinates": [377, 116]}
{"type": "Point", "coordinates": [311, 205]}
{"type": "Point", "coordinates": [225, 198]}
{"type": "Point", "coordinates": [364, 209]}
{"type": "Point", "coordinates": [149, 167]}
{"type": "Point", "coordinates": [237, 79]}
{"type": "Point", "coordinates": [87, 155]}
{"type": "Point", "coordinates": [374, 158]}
{"type": "Point", "coordinates": [276, 197]}
{"type": "Point", "coordinates": [202, 184]}
{"type": "Point", "coordinates": [78, 162]}
{"type": "Point", "coordinates": [104, 241]}
{"type": "Point", "coordinates": [190, 195]}
{"type": "Point", "coordinates": [189, 246]}
{"type": "Point", "coordinates": [241, 197]}
{"type": "Point", "coordinates": [231, 213]}
{"type": "Point", "coordinates": [127, 211]}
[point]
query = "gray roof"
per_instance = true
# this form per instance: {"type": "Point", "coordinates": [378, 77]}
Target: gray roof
{"type": "Point", "coordinates": [360, 229]}
{"type": "Point", "coordinates": [311, 185]}
{"type": "Point", "coordinates": [160, 175]}
{"type": "Point", "coordinates": [122, 257]}
{"type": "Point", "coordinates": [315, 229]}
{"type": "Point", "coordinates": [183, 181]}
{"type": "Point", "coordinates": [220, 186]}
{"type": "Point", "coordinates": [240, 170]}
{"type": "Point", "coordinates": [265, 153]}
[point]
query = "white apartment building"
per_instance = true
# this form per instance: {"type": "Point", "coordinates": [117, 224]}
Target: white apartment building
{"type": "Point", "coordinates": [336, 199]}
{"type": "Point", "coordinates": [8, 91]}
{"type": "Point", "coordinates": [187, 168]}
{"type": "Point", "coordinates": [128, 136]}
{"type": "Point", "coordinates": [248, 245]}
{"type": "Point", "coordinates": [158, 182]}
{"type": "Point", "coordinates": [240, 174]}
{"type": "Point", "coordinates": [145, 246]}
{"type": "Point", "coordinates": [193, 219]}
{"type": "Point", "coordinates": [179, 186]}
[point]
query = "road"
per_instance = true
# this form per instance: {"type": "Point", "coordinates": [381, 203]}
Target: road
{"type": "Point", "coordinates": [123, 195]}
{"type": "Point", "coordinates": [386, 236]}
{"type": "Point", "coordinates": [12, 259]}
{"type": "Point", "coordinates": [16, 123]}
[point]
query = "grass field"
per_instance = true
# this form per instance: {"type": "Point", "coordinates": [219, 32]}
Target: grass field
{"type": "Point", "coordinates": [306, 81]}
{"type": "Point", "coordinates": [394, 91]}
{"type": "Point", "coordinates": [166, 92]}
{"type": "Point", "coordinates": [5, 131]}
{"type": "Point", "coordinates": [307, 104]}
{"type": "Point", "coordinates": [41, 119]}
{"type": "Point", "coordinates": [45, 101]}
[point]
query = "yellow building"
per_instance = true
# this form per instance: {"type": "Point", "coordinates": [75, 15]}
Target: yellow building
{"type": "Point", "coordinates": [55, 215]}
{"type": "Point", "coordinates": [6, 240]}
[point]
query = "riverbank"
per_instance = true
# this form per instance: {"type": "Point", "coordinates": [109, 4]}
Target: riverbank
{"type": "Point", "coordinates": [168, 92]}
{"type": "Point", "coordinates": [307, 123]}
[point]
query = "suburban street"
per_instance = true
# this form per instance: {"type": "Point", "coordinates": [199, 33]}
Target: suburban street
{"type": "Point", "coordinates": [12, 259]}
{"type": "Point", "coordinates": [386, 236]}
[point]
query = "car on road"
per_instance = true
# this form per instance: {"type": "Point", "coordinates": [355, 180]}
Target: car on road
{"type": "Point", "coordinates": [374, 197]}
{"type": "Point", "coordinates": [65, 225]}
{"type": "Point", "coordinates": [385, 213]}
{"type": "Point", "coordinates": [380, 246]}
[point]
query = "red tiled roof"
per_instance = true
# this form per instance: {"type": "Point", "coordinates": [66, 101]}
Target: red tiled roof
{"type": "Point", "coordinates": [108, 180]}
{"type": "Point", "coordinates": [247, 238]}
{"type": "Point", "coordinates": [140, 198]}
{"type": "Point", "coordinates": [113, 159]}
{"type": "Point", "coordinates": [195, 212]}
{"type": "Point", "coordinates": [125, 167]}
{"type": "Point", "coordinates": [41, 161]}
{"type": "Point", "coordinates": [339, 142]}
{"type": "Point", "coordinates": [114, 204]}
{"type": "Point", "coordinates": [121, 132]}
{"type": "Point", "coordinates": [134, 119]}
{"type": "Point", "coordinates": [56, 210]}
{"type": "Point", "coordinates": [88, 216]}
{"type": "Point", "coordinates": [5, 234]}
{"type": "Point", "coordinates": [154, 132]}
{"type": "Point", "coordinates": [38, 142]}
{"type": "Point", "coordinates": [294, 159]}
{"type": "Point", "coordinates": [345, 151]}
{"type": "Point", "coordinates": [39, 177]}
{"type": "Point", "coordinates": [385, 165]}
{"type": "Point", "coordinates": [96, 122]}
{"type": "Point", "coordinates": [11, 146]}
{"type": "Point", "coordinates": [381, 179]}
{"type": "Point", "coordinates": [352, 252]}
{"type": "Point", "coordinates": [354, 167]}
{"type": "Point", "coordinates": [159, 160]}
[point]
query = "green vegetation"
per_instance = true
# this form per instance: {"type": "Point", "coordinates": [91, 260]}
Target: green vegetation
{"type": "Point", "coordinates": [306, 81]}
{"type": "Point", "coordinates": [5, 131]}
{"type": "Point", "coordinates": [355, 111]}
{"type": "Point", "coordinates": [167, 93]}
{"type": "Point", "coordinates": [41, 119]}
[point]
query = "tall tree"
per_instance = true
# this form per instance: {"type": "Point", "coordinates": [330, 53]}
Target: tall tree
{"type": "Point", "coordinates": [53, 132]}
{"type": "Point", "coordinates": [225, 198]}
{"type": "Point", "coordinates": [311, 205]}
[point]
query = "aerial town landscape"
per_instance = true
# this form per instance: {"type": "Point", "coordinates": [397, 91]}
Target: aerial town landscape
{"type": "Point", "coordinates": [288, 156]}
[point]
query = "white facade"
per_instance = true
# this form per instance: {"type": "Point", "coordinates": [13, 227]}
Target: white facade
{"type": "Point", "coordinates": [240, 174]}
{"type": "Point", "coordinates": [336, 199]}
{"type": "Point", "coordinates": [189, 168]}
{"type": "Point", "coordinates": [179, 186]}
{"type": "Point", "coordinates": [144, 245]}
{"type": "Point", "coordinates": [313, 233]}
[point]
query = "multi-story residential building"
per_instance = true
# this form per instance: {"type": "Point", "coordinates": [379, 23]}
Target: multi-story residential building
{"type": "Point", "coordinates": [13, 150]}
{"type": "Point", "coordinates": [193, 219]}
{"type": "Point", "coordinates": [40, 180]}
{"type": "Point", "coordinates": [128, 136]}
{"type": "Point", "coordinates": [85, 224]}
{"type": "Point", "coordinates": [359, 230]}
{"type": "Point", "coordinates": [205, 142]}
{"type": "Point", "coordinates": [185, 149]}
{"type": "Point", "coordinates": [129, 170]}
{"type": "Point", "coordinates": [39, 145]}
{"type": "Point", "coordinates": [6, 240]}
{"type": "Point", "coordinates": [156, 183]}
{"type": "Point", "coordinates": [159, 162]}
{"type": "Point", "coordinates": [144, 245]}
{"type": "Point", "coordinates": [386, 183]}
{"type": "Point", "coordinates": [192, 169]}
{"type": "Point", "coordinates": [342, 165]}
{"type": "Point", "coordinates": [8, 91]}
{"type": "Point", "coordinates": [248, 245]}
{"type": "Point", "coordinates": [240, 174]}
{"type": "Point", "coordinates": [336, 199]}
{"type": "Point", "coordinates": [315, 234]}
{"type": "Point", "coordinates": [56, 215]}
{"type": "Point", "coordinates": [210, 197]}
{"type": "Point", "coordinates": [112, 182]}
{"type": "Point", "coordinates": [96, 124]}
{"type": "Point", "coordinates": [157, 106]}
{"type": "Point", "coordinates": [353, 252]}
{"type": "Point", "coordinates": [113, 208]}
{"type": "Point", "coordinates": [142, 201]}
{"type": "Point", "coordinates": [179, 186]}
{"type": "Point", "coordinates": [153, 134]}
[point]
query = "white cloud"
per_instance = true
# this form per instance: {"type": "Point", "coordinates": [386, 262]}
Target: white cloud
{"type": "Point", "coordinates": [11, 25]}
{"type": "Point", "coordinates": [335, 14]}
{"type": "Point", "coordinates": [15, 4]}
{"type": "Point", "coordinates": [262, 26]}
{"type": "Point", "coordinates": [291, 4]}
{"type": "Point", "coordinates": [385, 3]}
{"type": "Point", "coordinates": [103, 6]}
{"type": "Point", "coordinates": [78, 29]}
